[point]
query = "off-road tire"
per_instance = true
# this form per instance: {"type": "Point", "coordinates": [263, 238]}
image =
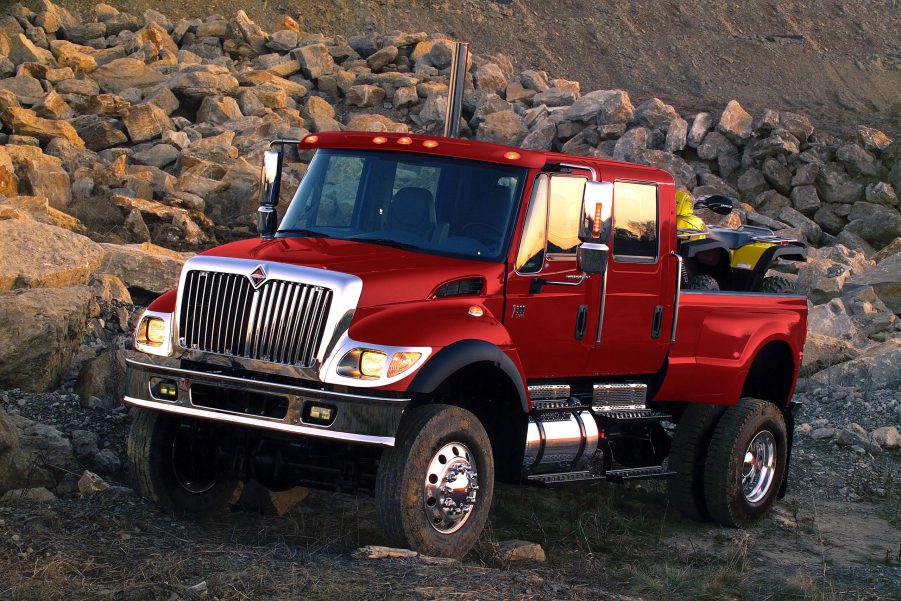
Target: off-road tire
{"type": "Point", "coordinates": [726, 502]}
{"type": "Point", "coordinates": [776, 284]}
{"type": "Point", "coordinates": [703, 282]}
{"type": "Point", "coordinates": [402, 470]}
{"type": "Point", "coordinates": [151, 461]}
{"type": "Point", "coordinates": [688, 454]}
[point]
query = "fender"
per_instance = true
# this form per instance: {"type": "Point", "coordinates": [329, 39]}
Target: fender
{"type": "Point", "coordinates": [164, 303]}
{"type": "Point", "coordinates": [693, 247]}
{"type": "Point", "coordinates": [458, 355]}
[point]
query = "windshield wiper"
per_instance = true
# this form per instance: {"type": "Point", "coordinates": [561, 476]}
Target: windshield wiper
{"type": "Point", "coordinates": [311, 233]}
{"type": "Point", "coordinates": [387, 242]}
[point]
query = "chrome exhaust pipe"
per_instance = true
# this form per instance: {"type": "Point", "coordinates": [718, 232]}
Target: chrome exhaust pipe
{"type": "Point", "coordinates": [456, 83]}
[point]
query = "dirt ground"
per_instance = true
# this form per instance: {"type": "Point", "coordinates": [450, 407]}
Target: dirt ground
{"type": "Point", "coordinates": [839, 61]}
{"type": "Point", "coordinates": [602, 542]}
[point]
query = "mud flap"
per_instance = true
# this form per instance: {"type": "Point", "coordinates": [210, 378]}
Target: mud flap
{"type": "Point", "coordinates": [789, 412]}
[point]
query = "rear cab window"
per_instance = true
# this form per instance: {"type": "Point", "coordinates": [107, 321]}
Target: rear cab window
{"type": "Point", "coordinates": [636, 222]}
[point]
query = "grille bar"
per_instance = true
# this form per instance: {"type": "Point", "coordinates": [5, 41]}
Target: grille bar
{"type": "Point", "coordinates": [281, 321]}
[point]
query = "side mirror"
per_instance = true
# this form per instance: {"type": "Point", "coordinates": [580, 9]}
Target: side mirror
{"type": "Point", "coordinates": [597, 212]}
{"type": "Point", "coordinates": [270, 185]}
{"type": "Point", "coordinates": [718, 203]}
{"type": "Point", "coordinates": [592, 257]}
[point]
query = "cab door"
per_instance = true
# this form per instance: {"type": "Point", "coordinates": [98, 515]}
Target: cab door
{"type": "Point", "coordinates": [548, 309]}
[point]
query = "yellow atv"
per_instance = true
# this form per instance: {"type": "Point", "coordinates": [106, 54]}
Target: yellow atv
{"type": "Point", "coordinates": [722, 258]}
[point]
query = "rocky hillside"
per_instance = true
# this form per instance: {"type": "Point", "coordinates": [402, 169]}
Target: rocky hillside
{"type": "Point", "coordinates": [130, 141]}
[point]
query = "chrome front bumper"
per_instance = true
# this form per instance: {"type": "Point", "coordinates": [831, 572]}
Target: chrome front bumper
{"type": "Point", "coordinates": [358, 418]}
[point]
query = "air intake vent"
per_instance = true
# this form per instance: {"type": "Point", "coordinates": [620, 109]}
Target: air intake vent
{"type": "Point", "coordinates": [462, 287]}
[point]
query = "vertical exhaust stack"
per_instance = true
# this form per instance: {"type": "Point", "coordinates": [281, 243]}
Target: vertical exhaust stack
{"type": "Point", "coordinates": [456, 83]}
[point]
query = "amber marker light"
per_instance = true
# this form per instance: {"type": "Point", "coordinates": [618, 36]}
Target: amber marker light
{"type": "Point", "coordinates": [311, 139]}
{"type": "Point", "coordinates": [379, 140]}
{"type": "Point", "coordinates": [512, 156]}
{"type": "Point", "coordinates": [430, 144]}
{"type": "Point", "coordinates": [405, 141]}
{"type": "Point", "coordinates": [476, 311]}
{"type": "Point", "coordinates": [596, 227]}
{"type": "Point", "coordinates": [401, 362]}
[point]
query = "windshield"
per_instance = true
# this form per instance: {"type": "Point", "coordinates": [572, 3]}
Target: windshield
{"type": "Point", "coordinates": [418, 202]}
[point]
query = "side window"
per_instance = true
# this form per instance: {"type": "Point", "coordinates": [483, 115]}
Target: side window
{"type": "Point", "coordinates": [339, 192]}
{"type": "Point", "coordinates": [530, 257]}
{"type": "Point", "coordinates": [635, 222]}
{"type": "Point", "coordinates": [565, 212]}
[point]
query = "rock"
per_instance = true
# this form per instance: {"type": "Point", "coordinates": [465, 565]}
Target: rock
{"type": "Point", "coordinates": [270, 502]}
{"type": "Point", "coordinates": [490, 78]}
{"type": "Point", "coordinates": [515, 551]}
{"type": "Point", "coordinates": [654, 114]}
{"type": "Point", "coordinates": [283, 41]}
{"type": "Point", "coordinates": [869, 313]}
{"type": "Point", "coordinates": [26, 89]}
{"type": "Point", "coordinates": [834, 186]}
{"type": "Point", "coordinates": [375, 123]}
{"type": "Point", "coordinates": [405, 97]}
{"type": "Point", "coordinates": [808, 227]}
{"type": "Point", "coordinates": [872, 140]}
{"type": "Point", "coordinates": [146, 122]}
{"type": "Point", "coordinates": [858, 161]}
{"type": "Point", "coordinates": [100, 133]}
{"type": "Point", "coordinates": [777, 174]}
{"type": "Point", "coordinates": [601, 107]}
{"type": "Point", "coordinates": [78, 58]}
{"type": "Point", "coordinates": [822, 433]}
{"type": "Point", "coordinates": [822, 351]}
{"type": "Point", "coordinates": [219, 109]}
{"type": "Point", "coordinates": [90, 483]}
{"type": "Point", "coordinates": [878, 367]}
{"type": "Point", "coordinates": [676, 135]}
{"type": "Point", "coordinates": [876, 224]}
{"type": "Point", "coordinates": [534, 80]}
{"type": "Point", "coordinates": [196, 85]}
{"type": "Point", "coordinates": [158, 155]}
{"type": "Point", "coordinates": [122, 73]}
{"type": "Point", "coordinates": [713, 145]}
{"type": "Point", "coordinates": [258, 78]}
{"type": "Point", "coordinates": [752, 183]}
{"type": "Point", "coordinates": [377, 552]}
{"type": "Point", "coordinates": [25, 122]}
{"type": "Point", "coordinates": [107, 461]}
{"type": "Point", "coordinates": [27, 495]}
{"type": "Point", "coordinates": [145, 268]}
{"type": "Point", "coordinates": [42, 329]}
{"type": "Point", "coordinates": [735, 123]}
{"type": "Point", "coordinates": [805, 175]}
{"type": "Point", "coordinates": [888, 251]}
{"type": "Point", "coordinates": [84, 443]}
{"type": "Point", "coordinates": [52, 106]}
{"type": "Point", "coordinates": [888, 438]}
{"type": "Point", "coordinates": [540, 138]}
{"type": "Point", "coordinates": [38, 208]}
{"type": "Point", "coordinates": [23, 50]}
{"type": "Point", "coordinates": [631, 144]}
{"type": "Point", "coordinates": [364, 95]}
{"type": "Point", "coordinates": [314, 60]}
{"type": "Point", "coordinates": [555, 97]}
{"type": "Point", "coordinates": [381, 58]}
{"type": "Point", "coordinates": [701, 124]}
{"type": "Point", "coordinates": [56, 257]}
{"type": "Point", "coordinates": [671, 163]}
{"type": "Point", "coordinates": [252, 33]}
{"type": "Point", "coordinates": [832, 320]}
{"type": "Point", "coordinates": [797, 125]}
{"type": "Point", "coordinates": [806, 201]}
{"type": "Point", "coordinates": [881, 193]}
{"type": "Point", "coordinates": [502, 127]}
{"type": "Point", "coordinates": [885, 279]}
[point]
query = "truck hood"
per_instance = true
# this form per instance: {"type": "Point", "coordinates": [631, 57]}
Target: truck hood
{"type": "Point", "coordinates": [389, 275]}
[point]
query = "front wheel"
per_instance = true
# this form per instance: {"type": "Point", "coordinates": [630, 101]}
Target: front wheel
{"type": "Point", "coordinates": [178, 464]}
{"type": "Point", "coordinates": [434, 487]}
{"type": "Point", "coordinates": [745, 463]}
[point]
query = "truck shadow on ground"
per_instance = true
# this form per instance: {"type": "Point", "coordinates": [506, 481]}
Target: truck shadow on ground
{"type": "Point", "coordinates": [602, 542]}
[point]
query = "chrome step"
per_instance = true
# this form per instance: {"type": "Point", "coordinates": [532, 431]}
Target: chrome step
{"type": "Point", "coordinates": [562, 478]}
{"type": "Point", "coordinates": [639, 415]}
{"type": "Point", "coordinates": [637, 473]}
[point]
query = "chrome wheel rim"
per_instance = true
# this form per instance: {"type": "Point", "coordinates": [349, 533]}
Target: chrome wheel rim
{"type": "Point", "coordinates": [450, 488]}
{"type": "Point", "coordinates": [759, 467]}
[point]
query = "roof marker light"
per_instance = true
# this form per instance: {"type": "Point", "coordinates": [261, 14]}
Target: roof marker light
{"type": "Point", "coordinates": [311, 139]}
{"type": "Point", "coordinates": [430, 144]}
{"type": "Point", "coordinates": [512, 156]}
{"type": "Point", "coordinates": [405, 141]}
{"type": "Point", "coordinates": [379, 140]}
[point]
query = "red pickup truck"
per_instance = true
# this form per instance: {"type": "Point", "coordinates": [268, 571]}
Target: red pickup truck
{"type": "Point", "coordinates": [433, 314]}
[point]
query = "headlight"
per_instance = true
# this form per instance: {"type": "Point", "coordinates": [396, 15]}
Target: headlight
{"type": "Point", "coordinates": [154, 333]}
{"type": "Point", "coordinates": [365, 364]}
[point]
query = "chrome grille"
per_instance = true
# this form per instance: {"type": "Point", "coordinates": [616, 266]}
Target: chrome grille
{"type": "Point", "coordinates": [281, 321]}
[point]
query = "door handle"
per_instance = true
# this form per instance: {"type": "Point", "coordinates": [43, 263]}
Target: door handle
{"type": "Point", "coordinates": [658, 322]}
{"type": "Point", "coordinates": [581, 322]}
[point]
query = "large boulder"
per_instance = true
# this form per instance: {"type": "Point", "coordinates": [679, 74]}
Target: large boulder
{"type": "Point", "coordinates": [37, 255]}
{"type": "Point", "coordinates": [123, 73]}
{"type": "Point", "coordinates": [735, 123]}
{"type": "Point", "coordinates": [878, 367]}
{"type": "Point", "coordinates": [38, 208]}
{"type": "Point", "coordinates": [25, 122]}
{"type": "Point", "coordinates": [145, 268]}
{"type": "Point", "coordinates": [602, 106]}
{"type": "Point", "coordinates": [502, 127]}
{"type": "Point", "coordinates": [41, 330]}
{"type": "Point", "coordinates": [885, 279]}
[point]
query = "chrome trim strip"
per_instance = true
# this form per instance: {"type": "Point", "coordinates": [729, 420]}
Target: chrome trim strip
{"type": "Point", "coordinates": [284, 388]}
{"type": "Point", "coordinates": [603, 304]}
{"type": "Point", "coordinates": [735, 293]}
{"type": "Point", "coordinates": [672, 335]}
{"type": "Point", "coordinates": [258, 422]}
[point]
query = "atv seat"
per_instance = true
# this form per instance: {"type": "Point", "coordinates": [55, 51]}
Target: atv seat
{"type": "Point", "coordinates": [744, 235]}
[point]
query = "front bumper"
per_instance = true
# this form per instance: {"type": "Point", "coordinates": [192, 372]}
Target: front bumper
{"type": "Point", "coordinates": [357, 417]}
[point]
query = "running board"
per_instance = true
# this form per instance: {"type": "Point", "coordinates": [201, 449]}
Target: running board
{"type": "Point", "coordinates": [639, 415]}
{"type": "Point", "coordinates": [564, 478]}
{"type": "Point", "coordinates": [637, 473]}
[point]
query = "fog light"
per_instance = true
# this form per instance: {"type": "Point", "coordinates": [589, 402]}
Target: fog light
{"type": "Point", "coordinates": [401, 362]}
{"type": "Point", "coordinates": [319, 414]}
{"type": "Point", "coordinates": [164, 390]}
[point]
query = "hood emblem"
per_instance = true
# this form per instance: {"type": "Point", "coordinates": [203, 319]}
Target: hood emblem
{"type": "Point", "coordinates": [258, 276]}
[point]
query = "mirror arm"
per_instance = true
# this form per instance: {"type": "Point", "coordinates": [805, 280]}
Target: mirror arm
{"type": "Point", "coordinates": [274, 142]}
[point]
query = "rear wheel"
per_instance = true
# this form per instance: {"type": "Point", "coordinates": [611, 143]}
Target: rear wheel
{"type": "Point", "coordinates": [703, 282]}
{"type": "Point", "coordinates": [175, 462]}
{"type": "Point", "coordinates": [745, 463]}
{"type": "Point", "coordinates": [776, 284]}
{"type": "Point", "coordinates": [434, 487]}
{"type": "Point", "coordinates": [687, 457]}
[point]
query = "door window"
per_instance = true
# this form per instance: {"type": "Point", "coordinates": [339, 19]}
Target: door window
{"type": "Point", "coordinates": [530, 257]}
{"type": "Point", "coordinates": [565, 212]}
{"type": "Point", "coordinates": [635, 222]}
